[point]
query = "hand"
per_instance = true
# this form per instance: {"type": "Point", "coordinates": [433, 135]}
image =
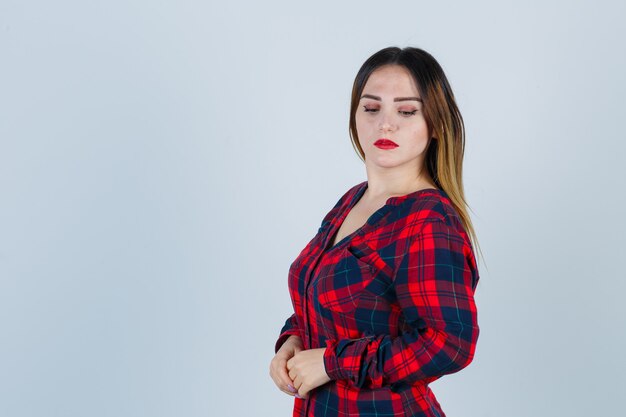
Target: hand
{"type": "Point", "coordinates": [278, 366]}
{"type": "Point", "coordinates": [307, 370]}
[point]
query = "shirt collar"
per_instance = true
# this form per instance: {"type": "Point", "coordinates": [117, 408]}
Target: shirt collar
{"type": "Point", "coordinates": [396, 200]}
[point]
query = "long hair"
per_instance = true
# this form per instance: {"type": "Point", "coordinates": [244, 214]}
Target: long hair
{"type": "Point", "coordinates": [444, 156]}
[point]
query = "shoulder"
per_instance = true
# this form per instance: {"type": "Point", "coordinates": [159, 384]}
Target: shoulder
{"type": "Point", "coordinates": [430, 204]}
{"type": "Point", "coordinates": [434, 223]}
{"type": "Point", "coordinates": [433, 206]}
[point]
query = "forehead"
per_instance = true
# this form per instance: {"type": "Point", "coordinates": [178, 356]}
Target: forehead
{"type": "Point", "coordinates": [391, 79]}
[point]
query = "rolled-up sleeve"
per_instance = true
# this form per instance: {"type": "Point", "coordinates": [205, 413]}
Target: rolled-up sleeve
{"type": "Point", "coordinates": [434, 285]}
{"type": "Point", "coordinates": [291, 327]}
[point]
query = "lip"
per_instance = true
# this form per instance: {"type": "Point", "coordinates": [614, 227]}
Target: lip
{"type": "Point", "coordinates": [385, 143]}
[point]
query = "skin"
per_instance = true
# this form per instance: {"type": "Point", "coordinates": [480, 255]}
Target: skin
{"type": "Point", "coordinates": [398, 171]}
{"type": "Point", "coordinates": [390, 172]}
{"type": "Point", "coordinates": [278, 366]}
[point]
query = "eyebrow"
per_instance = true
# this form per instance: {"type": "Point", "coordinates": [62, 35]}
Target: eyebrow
{"type": "Point", "coordinates": [395, 99]}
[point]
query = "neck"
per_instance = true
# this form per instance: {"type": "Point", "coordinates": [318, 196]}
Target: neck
{"type": "Point", "coordinates": [382, 185]}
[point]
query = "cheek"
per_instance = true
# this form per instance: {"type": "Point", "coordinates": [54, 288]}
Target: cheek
{"type": "Point", "coordinates": [420, 130]}
{"type": "Point", "coordinates": [417, 138]}
{"type": "Point", "coordinates": [363, 124]}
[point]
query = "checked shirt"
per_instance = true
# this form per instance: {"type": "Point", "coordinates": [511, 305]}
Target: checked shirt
{"type": "Point", "coordinates": [392, 303]}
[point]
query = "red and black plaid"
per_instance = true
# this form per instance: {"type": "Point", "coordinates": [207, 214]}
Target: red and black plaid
{"type": "Point", "coordinates": [392, 303]}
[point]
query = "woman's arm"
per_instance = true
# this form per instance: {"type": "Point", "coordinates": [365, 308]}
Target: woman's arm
{"type": "Point", "coordinates": [434, 285]}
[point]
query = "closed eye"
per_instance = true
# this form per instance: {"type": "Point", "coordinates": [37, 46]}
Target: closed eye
{"type": "Point", "coordinates": [404, 113]}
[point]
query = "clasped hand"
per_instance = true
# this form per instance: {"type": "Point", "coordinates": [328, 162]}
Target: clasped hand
{"type": "Point", "coordinates": [301, 369]}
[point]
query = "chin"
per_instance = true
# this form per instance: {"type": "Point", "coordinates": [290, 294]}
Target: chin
{"type": "Point", "coordinates": [384, 162]}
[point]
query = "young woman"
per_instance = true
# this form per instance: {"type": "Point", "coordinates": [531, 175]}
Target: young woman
{"type": "Point", "coordinates": [383, 295]}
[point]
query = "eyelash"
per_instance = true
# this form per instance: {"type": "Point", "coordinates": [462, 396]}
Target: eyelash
{"type": "Point", "coordinates": [404, 113]}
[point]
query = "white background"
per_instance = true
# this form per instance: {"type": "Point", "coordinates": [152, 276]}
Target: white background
{"type": "Point", "coordinates": [163, 162]}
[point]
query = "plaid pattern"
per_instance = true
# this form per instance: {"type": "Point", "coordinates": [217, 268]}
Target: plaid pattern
{"type": "Point", "coordinates": [393, 303]}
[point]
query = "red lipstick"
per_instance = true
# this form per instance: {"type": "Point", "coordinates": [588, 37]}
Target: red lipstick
{"type": "Point", "coordinates": [384, 143]}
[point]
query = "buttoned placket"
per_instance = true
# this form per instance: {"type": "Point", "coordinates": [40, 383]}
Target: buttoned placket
{"type": "Point", "coordinates": [326, 245]}
{"type": "Point", "coordinates": [326, 241]}
{"type": "Point", "coordinates": [372, 221]}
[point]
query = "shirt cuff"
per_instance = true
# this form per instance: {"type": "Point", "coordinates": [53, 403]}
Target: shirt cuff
{"type": "Point", "coordinates": [283, 338]}
{"type": "Point", "coordinates": [331, 362]}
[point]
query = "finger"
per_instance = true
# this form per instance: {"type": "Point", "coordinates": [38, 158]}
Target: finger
{"type": "Point", "coordinates": [291, 371]}
{"type": "Point", "coordinates": [297, 384]}
{"type": "Point", "coordinates": [288, 389]}
{"type": "Point", "coordinates": [277, 370]}
{"type": "Point", "coordinates": [303, 391]}
{"type": "Point", "coordinates": [288, 392]}
{"type": "Point", "coordinates": [284, 377]}
{"type": "Point", "coordinates": [279, 384]}
{"type": "Point", "coordinates": [293, 375]}
{"type": "Point", "coordinates": [279, 375]}
{"type": "Point", "coordinates": [292, 394]}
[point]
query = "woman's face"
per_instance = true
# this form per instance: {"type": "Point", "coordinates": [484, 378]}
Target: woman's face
{"type": "Point", "coordinates": [390, 110]}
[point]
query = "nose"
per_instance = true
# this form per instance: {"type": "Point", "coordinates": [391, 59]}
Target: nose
{"type": "Point", "coordinates": [386, 124]}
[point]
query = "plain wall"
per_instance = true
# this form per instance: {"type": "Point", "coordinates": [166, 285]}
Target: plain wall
{"type": "Point", "coordinates": [162, 163]}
